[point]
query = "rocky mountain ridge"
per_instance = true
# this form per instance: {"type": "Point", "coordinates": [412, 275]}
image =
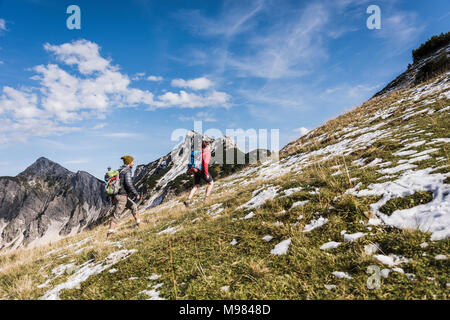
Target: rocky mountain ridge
{"type": "Point", "coordinates": [46, 202]}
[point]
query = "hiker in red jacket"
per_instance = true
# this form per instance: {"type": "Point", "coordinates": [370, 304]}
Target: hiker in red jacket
{"type": "Point", "coordinates": [202, 174]}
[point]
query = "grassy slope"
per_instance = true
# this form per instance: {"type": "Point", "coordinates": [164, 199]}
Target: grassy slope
{"type": "Point", "coordinates": [198, 260]}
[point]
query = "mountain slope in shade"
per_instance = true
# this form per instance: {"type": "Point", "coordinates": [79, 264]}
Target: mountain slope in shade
{"type": "Point", "coordinates": [46, 202]}
{"type": "Point", "coordinates": [431, 65]}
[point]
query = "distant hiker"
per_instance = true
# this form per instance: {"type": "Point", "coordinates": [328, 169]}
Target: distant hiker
{"type": "Point", "coordinates": [120, 186]}
{"type": "Point", "coordinates": [199, 167]}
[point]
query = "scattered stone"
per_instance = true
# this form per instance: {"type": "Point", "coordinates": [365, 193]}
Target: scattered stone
{"type": "Point", "coordinates": [153, 294]}
{"type": "Point", "coordinates": [391, 260]}
{"type": "Point", "coordinates": [399, 270]}
{"type": "Point", "coordinates": [154, 277]}
{"type": "Point", "coordinates": [385, 273]}
{"type": "Point", "coordinates": [249, 216]}
{"type": "Point", "coordinates": [354, 236]}
{"type": "Point", "coordinates": [157, 286]}
{"type": "Point", "coordinates": [316, 223]}
{"type": "Point", "coordinates": [411, 276]}
{"type": "Point", "coordinates": [299, 204]}
{"type": "Point", "coordinates": [372, 248]}
{"type": "Point", "coordinates": [342, 275]}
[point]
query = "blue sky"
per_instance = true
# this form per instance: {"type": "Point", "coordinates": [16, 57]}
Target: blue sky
{"type": "Point", "coordinates": [138, 70]}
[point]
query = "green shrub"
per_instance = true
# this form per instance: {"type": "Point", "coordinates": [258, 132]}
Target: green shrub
{"type": "Point", "coordinates": [433, 68]}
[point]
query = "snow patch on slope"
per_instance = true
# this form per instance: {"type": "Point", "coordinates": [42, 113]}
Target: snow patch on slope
{"type": "Point", "coordinates": [431, 217]}
{"type": "Point", "coordinates": [86, 270]}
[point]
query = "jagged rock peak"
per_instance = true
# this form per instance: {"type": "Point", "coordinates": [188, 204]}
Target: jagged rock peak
{"type": "Point", "coordinates": [45, 167]}
{"type": "Point", "coordinates": [46, 202]}
{"type": "Point", "coordinates": [229, 142]}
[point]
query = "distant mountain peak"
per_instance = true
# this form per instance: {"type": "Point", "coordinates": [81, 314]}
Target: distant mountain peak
{"type": "Point", "coordinates": [228, 142]}
{"type": "Point", "coordinates": [43, 161]}
{"type": "Point", "coordinates": [48, 197]}
{"type": "Point", "coordinates": [44, 167]}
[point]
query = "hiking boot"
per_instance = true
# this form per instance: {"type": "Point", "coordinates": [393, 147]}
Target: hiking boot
{"type": "Point", "coordinates": [187, 203]}
{"type": "Point", "coordinates": [138, 224]}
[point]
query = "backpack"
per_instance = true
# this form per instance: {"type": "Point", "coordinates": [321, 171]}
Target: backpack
{"type": "Point", "coordinates": [196, 160]}
{"type": "Point", "coordinates": [113, 183]}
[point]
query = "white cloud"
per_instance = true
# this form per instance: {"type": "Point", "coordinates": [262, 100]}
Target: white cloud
{"type": "Point", "coordinates": [58, 145]}
{"type": "Point", "coordinates": [400, 31]}
{"type": "Point", "coordinates": [276, 95]}
{"type": "Point", "coordinates": [2, 24]}
{"type": "Point", "coordinates": [20, 104]}
{"type": "Point", "coordinates": [199, 116]}
{"type": "Point", "coordinates": [138, 76]}
{"type": "Point", "coordinates": [4, 164]}
{"type": "Point", "coordinates": [205, 116]}
{"type": "Point", "coordinates": [192, 100]}
{"type": "Point", "coordinates": [20, 130]}
{"type": "Point", "coordinates": [359, 91]}
{"type": "Point", "coordinates": [301, 131]}
{"type": "Point", "coordinates": [195, 84]}
{"type": "Point", "coordinates": [154, 78]}
{"type": "Point", "coordinates": [348, 95]}
{"type": "Point", "coordinates": [362, 90]}
{"type": "Point", "coordinates": [120, 135]}
{"type": "Point", "coordinates": [82, 53]}
{"type": "Point", "coordinates": [232, 21]}
{"type": "Point", "coordinates": [1, 62]}
{"type": "Point", "coordinates": [287, 51]}
{"type": "Point", "coordinates": [287, 47]}
{"type": "Point", "coordinates": [89, 89]}
{"type": "Point", "coordinates": [71, 98]}
{"type": "Point", "coordinates": [136, 96]}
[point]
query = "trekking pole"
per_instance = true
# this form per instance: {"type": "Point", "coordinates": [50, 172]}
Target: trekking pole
{"type": "Point", "coordinates": [137, 202]}
{"type": "Point", "coordinates": [140, 199]}
{"type": "Point", "coordinates": [140, 202]}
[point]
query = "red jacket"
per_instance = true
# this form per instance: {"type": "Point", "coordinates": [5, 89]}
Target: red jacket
{"type": "Point", "coordinates": [206, 157]}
